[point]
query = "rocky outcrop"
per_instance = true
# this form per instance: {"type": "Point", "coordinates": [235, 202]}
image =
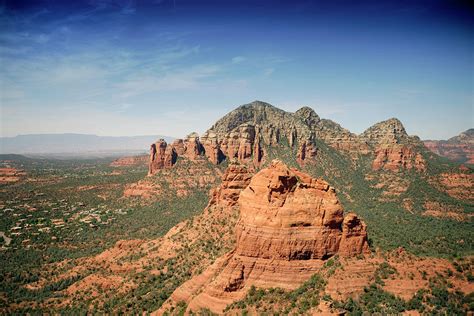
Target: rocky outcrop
{"type": "Point", "coordinates": [286, 214]}
{"type": "Point", "coordinates": [251, 131]}
{"type": "Point", "coordinates": [193, 148]}
{"type": "Point", "coordinates": [261, 124]}
{"type": "Point", "coordinates": [211, 147]}
{"type": "Point", "coordinates": [289, 223]}
{"type": "Point", "coordinates": [395, 157]}
{"type": "Point", "coordinates": [244, 133]}
{"type": "Point", "coordinates": [305, 151]}
{"type": "Point", "coordinates": [235, 179]}
{"type": "Point", "coordinates": [459, 148]}
{"type": "Point", "coordinates": [390, 131]}
{"type": "Point", "coordinates": [238, 144]}
{"type": "Point", "coordinates": [394, 150]}
{"type": "Point", "coordinates": [332, 133]}
{"type": "Point", "coordinates": [161, 156]}
{"type": "Point", "coordinates": [354, 236]}
{"type": "Point", "coordinates": [164, 156]}
{"type": "Point", "coordinates": [179, 147]}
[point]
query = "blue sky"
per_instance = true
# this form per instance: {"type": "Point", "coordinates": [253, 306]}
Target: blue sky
{"type": "Point", "coordinates": [120, 67]}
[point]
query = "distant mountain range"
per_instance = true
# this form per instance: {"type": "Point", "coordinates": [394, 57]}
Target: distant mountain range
{"type": "Point", "coordinates": [76, 144]}
{"type": "Point", "coordinates": [458, 148]}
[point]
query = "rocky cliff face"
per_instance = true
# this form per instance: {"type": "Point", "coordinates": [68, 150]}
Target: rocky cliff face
{"type": "Point", "coordinates": [242, 136]}
{"type": "Point", "coordinates": [459, 148]}
{"type": "Point", "coordinates": [396, 157]}
{"type": "Point", "coordinates": [331, 133]}
{"type": "Point", "coordinates": [393, 148]}
{"type": "Point", "coordinates": [287, 215]}
{"type": "Point", "coordinates": [289, 223]}
{"type": "Point", "coordinates": [246, 134]}
{"type": "Point", "coordinates": [390, 131]}
{"type": "Point", "coordinates": [235, 179]}
{"type": "Point", "coordinates": [163, 155]}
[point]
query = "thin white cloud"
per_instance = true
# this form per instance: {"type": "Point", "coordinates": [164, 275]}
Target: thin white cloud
{"type": "Point", "coordinates": [123, 107]}
{"type": "Point", "coordinates": [267, 72]}
{"type": "Point", "coordinates": [238, 59]}
{"type": "Point", "coordinates": [184, 79]}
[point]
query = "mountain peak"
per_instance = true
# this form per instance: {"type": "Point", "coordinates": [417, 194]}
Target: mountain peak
{"type": "Point", "coordinates": [308, 115]}
{"type": "Point", "coordinates": [393, 124]}
{"type": "Point", "coordinates": [388, 131]}
{"type": "Point", "coordinates": [254, 113]}
{"type": "Point", "coordinates": [469, 134]}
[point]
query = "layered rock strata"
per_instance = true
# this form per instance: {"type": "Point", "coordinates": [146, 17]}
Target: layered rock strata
{"type": "Point", "coordinates": [164, 155]}
{"type": "Point", "coordinates": [161, 156]}
{"type": "Point", "coordinates": [289, 223]}
{"type": "Point", "coordinates": [235, 179]}
{"type": "Point", "coordinates": [395, 157]}
{"type": "Point", "coordinates": [247, 134]}
{"type": "Point", "coordinates": [394, 150]}
{"type": "Point", "coordinates": [242, 136]}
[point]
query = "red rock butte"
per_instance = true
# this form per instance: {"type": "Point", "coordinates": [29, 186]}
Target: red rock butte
{"type": "Point", "coordinates": [289, 223]}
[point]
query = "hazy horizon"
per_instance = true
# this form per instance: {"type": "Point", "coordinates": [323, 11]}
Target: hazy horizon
{"type": "Point", "coordinates": [170, 67]}
{"type": "Point", "coordinates": [201, 132]}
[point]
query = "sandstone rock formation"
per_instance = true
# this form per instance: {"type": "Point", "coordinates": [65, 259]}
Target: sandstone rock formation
{"type": "Point", "coordinates": [161, 156]}
{"type": "Point", "coordinates": [179, 147]}
{"type": "Point", "coordinates": [212, 147]}
{"type": "Point", "coordinates": [235, 179]}
{"type": "Point", "coordinates": [286, 214]}
{"type": "Point", "coordinates": [193, 148]}
{"type": "Point", "coordinates": [390, 131]}
{"type": "Point", "coordinates": [395, 157]}
{"type": "Point", "coordinates": [242, 135]}
{"type": "Point", "coordinates": [393, 148]}
{"type": "Point", "coordinates": [459, 148]}
{"type": "Point", "coordinates": [305, 151]}
{"type": "Point", "coordinates": [289, 223]}
{"type": "Point", "coordinates": [247, 134]}
{"type": "Point", "coordinates": [332, 133]}
{"type": "Point", "coordinates": [164, 156]}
